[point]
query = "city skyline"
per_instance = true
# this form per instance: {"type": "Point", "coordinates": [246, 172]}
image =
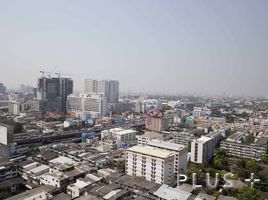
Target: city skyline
{"type": "Point", "coordinates": [151, 46]}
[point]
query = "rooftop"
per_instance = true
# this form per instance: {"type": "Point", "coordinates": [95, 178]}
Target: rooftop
{"type": "Point", "coordinates": [148, 150]}
{"type": "Point", "coordinates": [151, 134]}
{"type": "Point", "coordinates": [28, 194]}
{"type": "Point", "coordinates": [166, 145]}
{"type": "Point", "coordinates": [169, 193]}
{"type": "Point", "coordinates": [126, 132]}
{"type": "Point", "coordinates": [39, 169]}
{"type": "Point", "coordinates": [63, 160]}
{"type": "Point", "coordinates": [203, 139]}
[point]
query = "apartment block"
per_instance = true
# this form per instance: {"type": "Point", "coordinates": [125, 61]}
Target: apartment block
{"type": "Point", "coordinates": [180, 152]}
{"type": "Point", "coordinates": [154, 164]}
{"type": "Point", "coordinates": [148, 136]}
{"type": "Point", "coordinates": [202, 149]}
{"type": "Point", "coordinates": [243, 151]}
{"type": "Point", "coordinates": [157, 124]}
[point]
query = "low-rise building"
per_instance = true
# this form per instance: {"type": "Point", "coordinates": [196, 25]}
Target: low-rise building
{"type": "Point", "coordinates": [148, 136]}
{"type": "Point", "coordinates": [242, 150]}
{"type": "Point", "coordinates": [7, 169]}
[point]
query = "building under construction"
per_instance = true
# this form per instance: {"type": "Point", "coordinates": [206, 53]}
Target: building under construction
{"type": "Point", "coordinates": [52, 92]}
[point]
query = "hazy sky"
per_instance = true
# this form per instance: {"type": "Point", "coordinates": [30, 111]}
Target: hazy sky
{"type": "Point", "coordinates": [207, 47]}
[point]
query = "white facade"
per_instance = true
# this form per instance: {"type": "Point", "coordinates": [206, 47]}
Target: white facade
{"type": "Point", "coordinates": [197, 112]}
{"type": "Point", "coordinates": [126, 135]}
{"type": "Point", "coordinates": [154, 164]}
{"type": "Point", "coordinates": [87, 105]}
{"type": "Point", "coordinates": [180, 152]}
{"type": "Point", "coordinates": [245, 151]}
{"type": "Point", "coordinates": [148, 136]}
{"type": "Point", "coordinates": [57, 179]}
{"type": "Point", "coordinates": [202, 149]}
{"type": "Point", "coordinates": [78, 188]}
{"type": "Point", "coordinates": [110, 88]}
{"type": "Point", "coordinates": [6, 134]}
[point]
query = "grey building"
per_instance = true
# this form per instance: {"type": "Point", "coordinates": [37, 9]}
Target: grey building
{"type": "Point", "coordinates": [110, 89]}
{"type": "Point", "coordinates": [53, 92]}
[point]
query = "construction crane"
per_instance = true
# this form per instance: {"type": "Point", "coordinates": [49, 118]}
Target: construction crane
{"type": "Point", "coordinates": [58, 74]}
{"type": "Point", "coordinates": [48, 73]}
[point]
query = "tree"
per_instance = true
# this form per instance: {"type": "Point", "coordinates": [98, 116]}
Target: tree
{"type": "Point", "coordinates": [265, 158]}
{"type": "Point", "coordinates": [246, 193]}
{"type": "Point", "coordinates": [220, 161]}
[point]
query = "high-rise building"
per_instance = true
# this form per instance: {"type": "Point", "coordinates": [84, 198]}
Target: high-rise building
{"type": "Point", "coordinates": [53, 92]}
{"type": "Point", "coordinates": [202, 149]}
{"type": "Point", "coordinates": [154, 164]}
{"type": "Point", "coordinates": [158, 124]}
{"type": "Point", "coordinates": [197, 112]}
{"type": "Point", "coordinates": [110, 89]}
{"type": "Point", "coordinates": [2, 88]}
{"type": "Point", "coordinates": [87, 105]}
{"type": "Point", "coordinates": [6, 140]}
{"type": "Point", "coordinates": [180, 151]}
{"type": "Point", "coordinates": [6, 134]}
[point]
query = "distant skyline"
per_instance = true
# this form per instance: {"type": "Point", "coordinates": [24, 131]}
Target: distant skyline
{"type": "Point", "coordinates": [176, 46]}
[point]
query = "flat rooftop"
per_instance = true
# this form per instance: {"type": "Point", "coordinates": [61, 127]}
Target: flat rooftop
{"type": "Point", "coordinates": [151, 134]}
{"type": "Point", "coordinates": [166, 145]}
{"type": "Point", "coordinates": [63, 160]}
{"type": "Point", "coordinates": [126, 132]}
{"type": "Point", "coordinates": [152, 151]}
{"type": "Point", "coordinates": [203, 139]}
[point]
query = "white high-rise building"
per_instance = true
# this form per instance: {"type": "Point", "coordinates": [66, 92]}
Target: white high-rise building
{"type": "Point", "coordinates": [110, 89]}
{"type": "Point", "coordinates": [197, 112]}
{"type": "Point", "coordinates": [154, 164]}
{"type": "Point", "coordinates": [202, 149]}
{"type": "Point", "coordinates": [87, 105]}
{"type": "Point", "coordinates": [180, 151]}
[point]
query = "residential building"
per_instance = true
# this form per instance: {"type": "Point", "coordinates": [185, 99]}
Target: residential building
{"type": "Point", "coordinates": [86, 105]}
{"type": "Point", "coordinates": [15, 108]}
{"type": "Point", "coordinates": [2, 88]}
{"type": "Point", "coordinates": [126, 136]}
{"type": "Point", "coordinates": [243, 151]}
{"type": "Point", "coordinates": [154, 164]}
{"type": "Point", "coordinates": [79, 187]}
{"type": "Point", "coordinates": [180, 152]}
{"type": "Point", "coordinates": [197, 112]}
{"type": "Point", "coordinates": [7, 147]}
{"type": "Point", "coordinates": [157, 124]}
{"type": "Point", "coordinates": [202, 150]}
{"type": "Point", "coordinates": [8, 169]}
{"type": "Point", "coordinates": [148, 136]}
{"type": "Point", "coordinates": [110, 89]}
{"type": "Point", "coordinates": [44, 192]}
{"type": "Point", "coordinates": [183, 138]}
{"type": "Point", "coordinates": [6, 134]}
{"type": "Point", "coordinates": [52, 93]}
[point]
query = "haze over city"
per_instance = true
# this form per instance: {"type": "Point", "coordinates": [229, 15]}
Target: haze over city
{"type": "Point", "coordinates": [204, 47]}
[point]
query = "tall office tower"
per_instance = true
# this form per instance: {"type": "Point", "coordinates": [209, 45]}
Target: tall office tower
{"type": "Point", "coordinates": [110, 89]}
{"type": "Point", "coordinates": [53, 92]}
{"type": "Point", "coordinates": [87, 105]}
{"type": "Point", "coordinates": [2, 88]}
